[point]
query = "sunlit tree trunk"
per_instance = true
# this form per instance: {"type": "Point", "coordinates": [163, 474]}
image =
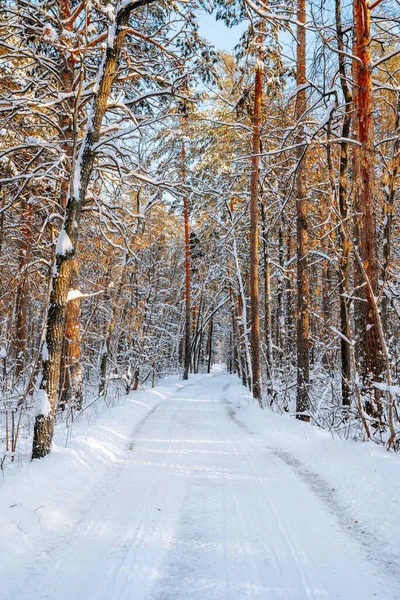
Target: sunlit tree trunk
{"type": "Point", "coordinates": [267, 293]}
{"type": "Point", "coordinates": [71, 375]}
{"type": "Point", "coordinates": [108, 334]}
{"type": "Point", "coordinates": [389, 209]}
{"type": "Point", "coordinates": [303, 300]}
{"type": "Point", "coordinates": [67, 242]}
{"type": "Point", "coordinates": [345, 349]}
{"type": "Point", "coordinates": [368, 336]}
{"type": "Point", "coordinates": [254, 196]}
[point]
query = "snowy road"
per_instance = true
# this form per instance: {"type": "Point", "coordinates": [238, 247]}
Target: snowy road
{"type": "Point", "coordinates": [201, 509]}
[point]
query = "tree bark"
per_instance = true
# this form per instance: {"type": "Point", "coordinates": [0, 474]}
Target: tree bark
{"type": "Point", "coordinates": [344, 243]}
{"type": "Point", "coordinates": [108, 334]}
{"type": "Point", "coordinates": [267, 294]}
{"type": "Point", "coordinates": [280, 328]}
{"type": "Point", "coordinates": [303, 299]}
{"type": "Point", "coordinates": [67, 243]}
{"type": "Point", "coordinates": [21, 297]}
{"type": "Point", "coordinates": [254, 195]}
{"type": "Point", "coordinates": [289, 294]}
{"type": "Point", "coordinates": [234, 321]}
{"type": "Point", "coordinates": [369, 340]}
{"type": "Point", "coordinates": [71, 375]}
{"type": "Point", "coordinates": [187, 353]}
{"type": "Point", "coordinates": [209, 345]}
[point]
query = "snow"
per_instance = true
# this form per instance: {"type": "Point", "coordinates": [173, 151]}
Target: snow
{"type": "Point", "coordinates": [3, 352]}
{"type": "Point", "coordinates": [64, 245]}
{"type": "Point", "coordinates": [328, 114]}
{"type": "Point", "coordinates": [340, 334]}
{"type": "Point", "coordinates": [190, 491]}
{"type": "Point", "coordinates": [111, 35]}
{"type": "Point", "coordinates": [77, 168]}
{"type": "Point", "coordinates": [110, 11]}
{"type": "Point", "coordinates": [384, 387]}
{"type": "Point", "coordinates": [74, 295]}
{"type": "Point", "coordinates": [42, 406]}
{"type": "Point", "coordinates": [297, 90]}
{"type": "Point", "coordinates": [49, 32]}
{"type": "Point", "coordinates": [45, 351]}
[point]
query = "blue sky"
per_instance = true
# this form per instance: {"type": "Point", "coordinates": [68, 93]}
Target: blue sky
{"type": "Point", "coordinates": [217, 33]}
{"type": "Point", "coordinates": [224, 38]}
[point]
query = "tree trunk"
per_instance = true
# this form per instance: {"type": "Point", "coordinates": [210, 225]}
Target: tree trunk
{"type": "Point", "coordinates": [254, 194]}
{"type": "Point", "coordinates": [21, 299]}
{"type": "Point", "coordinates": [246, 377]}
{"type": "Point", "coordinates": [242, 319]}
{"type": "Point", "coordinates": [187, 353]}
{"type": "Point", "coordinates": [71, 374]}
{"type": "Point", "coordinates": [209, 345]}
{"type": "Point", "coordinates": [344, 243]}
{"type": "Point", "coordinates": [280, 326]}
{"type": "Point", "coordinates": [290, 294]}
{"type": "Point", "coordinates": [70, 369]}
{"type": "Point", "coordinates": [108, 334]}
{"type": "Point", "coordinates": [267, 294]}
{"type": "Point", "coordinates": [303, 299]}
{"type": "Point", "coordinates": [67, 242]}
{"type": "Point", "coordinates": [234, 321]}
{"type": "Point", "coordinates": [369, 341]}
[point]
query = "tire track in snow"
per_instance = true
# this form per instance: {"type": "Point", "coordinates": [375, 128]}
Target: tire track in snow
{"type": "Point", "coordinates": [372, 550]}
{"type": "Point", "coordinates": [258, 485]}
{"type": "Point", "coordinates": [83, 527]}
{"type": "Point", "coordinates": [140, 530]}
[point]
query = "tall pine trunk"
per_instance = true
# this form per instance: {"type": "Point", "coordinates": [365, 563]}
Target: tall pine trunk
{"type": "Point", "coordinates": [303, 293]}
{"type": "Point", "coordinates": [187, 347]}
{"type": "Point", "coordinates": [368, 334]}
{"type": "Point", "coordinates": [344, 243]}
{"type": "Point", "coordinates": [254, 194]}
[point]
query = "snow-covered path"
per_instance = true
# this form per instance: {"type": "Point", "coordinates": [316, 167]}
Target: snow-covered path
{"type": "Point", "coordinates": [202, 509]}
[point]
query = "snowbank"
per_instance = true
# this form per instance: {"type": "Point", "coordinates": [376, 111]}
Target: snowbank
{"type": "Point", "coordinates": [360, 482]}
{"type": "Point", "coordinates": [40, 498]}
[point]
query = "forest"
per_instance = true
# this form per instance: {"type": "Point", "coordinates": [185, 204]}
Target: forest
{"type": "Point", "coordinates": [165, 205]}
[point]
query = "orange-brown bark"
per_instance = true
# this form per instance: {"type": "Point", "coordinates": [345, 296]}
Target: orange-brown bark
{"type": "Point", "coordinates": [303, 291]}
{"type": "Point", "coordinates": [254, 194]}
{"type": "Point", "coordinates": [370, 347]}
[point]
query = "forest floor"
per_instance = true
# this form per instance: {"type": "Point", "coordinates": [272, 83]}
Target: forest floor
{"type": "Point", "coordinates": [190, 492]}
